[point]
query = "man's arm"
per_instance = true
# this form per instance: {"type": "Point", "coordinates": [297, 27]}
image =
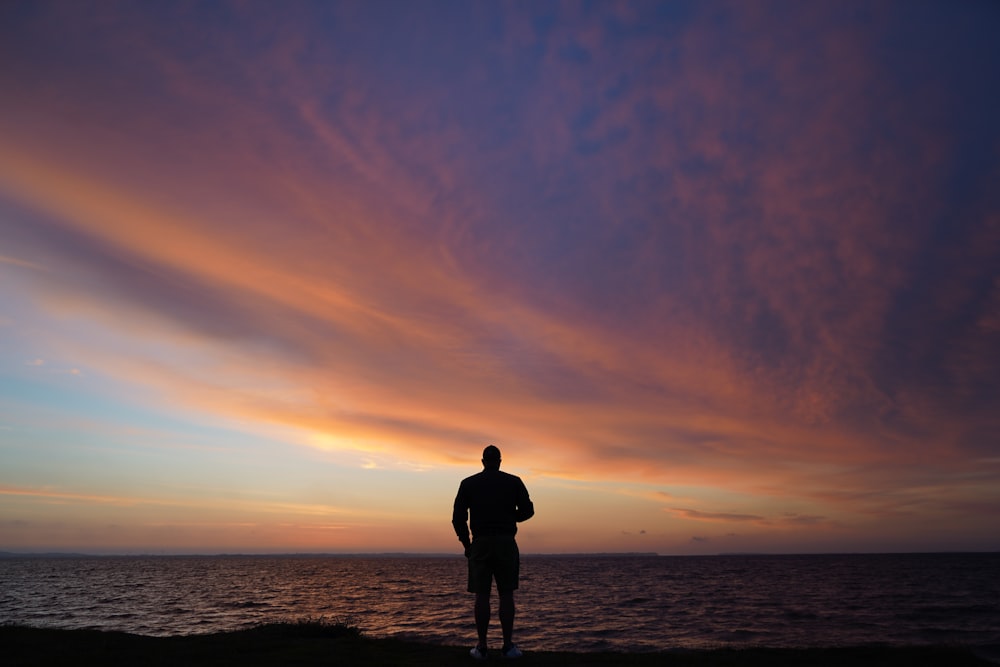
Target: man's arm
{"type": "Point", "coordinates": [525, 508]}
{"type": "Point", "coordinates": [460, 518]}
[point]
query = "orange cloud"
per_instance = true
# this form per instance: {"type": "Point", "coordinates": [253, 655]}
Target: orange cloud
{"type": "Point", "coordinates": [653, 260]}
{"type": "Point", "coordinates": [65, 497]}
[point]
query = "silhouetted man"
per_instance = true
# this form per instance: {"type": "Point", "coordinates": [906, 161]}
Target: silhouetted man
{"type": "Point", "coordinates": [493, 502]}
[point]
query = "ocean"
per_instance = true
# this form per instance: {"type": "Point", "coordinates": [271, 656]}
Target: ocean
{"type": "Point", "coordinates": [579, 603]}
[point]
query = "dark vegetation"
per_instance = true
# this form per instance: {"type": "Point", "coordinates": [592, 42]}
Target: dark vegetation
{"type": "Point", "coordinates": [322, 642]}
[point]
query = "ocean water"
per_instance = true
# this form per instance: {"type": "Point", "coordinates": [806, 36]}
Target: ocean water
{"type": "Point", "coordinates": [581, 603]}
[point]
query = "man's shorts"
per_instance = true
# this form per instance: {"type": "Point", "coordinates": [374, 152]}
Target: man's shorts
{"type": "Point", "coordinates": [494, 557]}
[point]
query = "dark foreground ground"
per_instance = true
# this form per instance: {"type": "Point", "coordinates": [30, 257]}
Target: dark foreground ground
{"type": "Point", "coordinates": [331, 644]}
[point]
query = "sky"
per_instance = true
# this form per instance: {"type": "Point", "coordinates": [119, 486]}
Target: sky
{"type": "Point", "coordinates": [716, 277]}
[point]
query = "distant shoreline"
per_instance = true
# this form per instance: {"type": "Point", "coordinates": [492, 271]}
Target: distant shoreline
{"type": "Point", "coordinates": [381, 554]}
{"type": "Point", "coordinates": [446, 554]}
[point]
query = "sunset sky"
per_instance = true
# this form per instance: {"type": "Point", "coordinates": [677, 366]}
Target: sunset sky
{"type": "Point", "coordinates": [715, 277]}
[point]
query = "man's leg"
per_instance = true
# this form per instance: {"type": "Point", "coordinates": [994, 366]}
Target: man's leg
{"type": "Point", "coordinates": [507, 616]}
{"type": "Point", "coordinates": [483, 616]}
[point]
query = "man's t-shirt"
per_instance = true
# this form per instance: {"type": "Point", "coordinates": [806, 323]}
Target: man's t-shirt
{"type": "Point", "coordinates": [493, 502]}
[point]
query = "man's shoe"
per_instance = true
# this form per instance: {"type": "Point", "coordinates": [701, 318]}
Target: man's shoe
{"type": "Point", "coordinates": [511, 651]}
{"type": "Point", "coordinates": [479, 653]}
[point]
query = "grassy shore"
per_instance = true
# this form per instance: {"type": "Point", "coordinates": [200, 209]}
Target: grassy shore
{"type": "Point", "coordinates": [310, 643]}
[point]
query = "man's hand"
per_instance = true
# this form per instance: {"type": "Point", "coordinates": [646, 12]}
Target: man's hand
{"type": "Point", "coordinates": [468, 548]}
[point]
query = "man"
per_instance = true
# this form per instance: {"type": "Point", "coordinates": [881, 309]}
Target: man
{"type": "Point", "coordinates": [493, 502]}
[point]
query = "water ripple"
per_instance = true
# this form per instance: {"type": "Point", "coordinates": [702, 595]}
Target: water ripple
{"type": "Point", "coordinates": [573, 603]}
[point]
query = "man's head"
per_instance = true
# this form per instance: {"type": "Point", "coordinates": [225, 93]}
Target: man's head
{"type": "Point", "coordinates": [491, 457]}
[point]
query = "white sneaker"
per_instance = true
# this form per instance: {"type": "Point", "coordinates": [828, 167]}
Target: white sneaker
{"type": "Point", "coordinates": [478, 653]}
{"type": "Point", "coordinates": [511, 651]}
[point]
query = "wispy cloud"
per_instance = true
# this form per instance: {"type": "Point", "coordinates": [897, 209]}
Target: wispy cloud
{"type": "Point", "coordinates": [715, 516]}
{"type": "Point", "coordinates": [70, 497]}
{"type": "Point", "coordinates": [22, 263]}
{"type": "Point", "coordinates": [591, 234]}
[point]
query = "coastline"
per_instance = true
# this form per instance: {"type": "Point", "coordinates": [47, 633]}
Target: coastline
{"type": "Point", "coordinates": [319, 643]}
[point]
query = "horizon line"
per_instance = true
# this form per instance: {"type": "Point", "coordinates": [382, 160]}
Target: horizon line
{"type": "Point", "coordinates": [446, 554]}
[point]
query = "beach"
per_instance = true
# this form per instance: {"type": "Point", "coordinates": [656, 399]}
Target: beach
{"type": "Point", "coordinates": [308, 643]}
